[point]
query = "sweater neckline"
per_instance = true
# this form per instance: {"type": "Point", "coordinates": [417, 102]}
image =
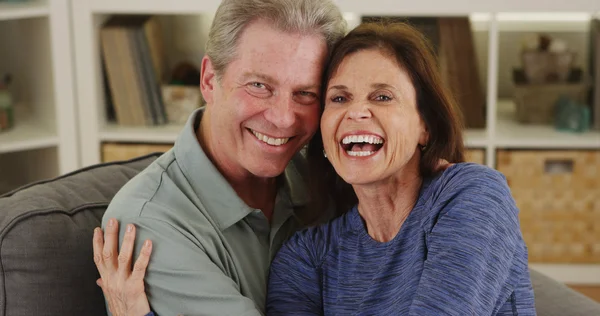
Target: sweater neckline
{"type": "Point", "coordinates": [359, 226]}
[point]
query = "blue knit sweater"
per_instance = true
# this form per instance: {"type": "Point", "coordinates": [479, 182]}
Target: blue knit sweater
{"type": "Point", "coordinates": [459, 252]}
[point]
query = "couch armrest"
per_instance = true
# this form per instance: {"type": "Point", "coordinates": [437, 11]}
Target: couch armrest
{"type": "Point", "coordinates": [553, 298]}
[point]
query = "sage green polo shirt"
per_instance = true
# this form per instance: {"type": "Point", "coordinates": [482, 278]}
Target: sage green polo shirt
{"type": "Point", "coordinates": [211, 252]}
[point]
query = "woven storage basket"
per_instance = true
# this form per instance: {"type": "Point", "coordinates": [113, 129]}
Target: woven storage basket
{"type": "Point", "coordinates": [475, 155]}
{"type": "Point", "coordinates": [558, 194]}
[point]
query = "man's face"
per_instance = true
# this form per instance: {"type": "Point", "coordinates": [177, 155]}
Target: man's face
{"type": "Point", "coordinates": [265, 108]}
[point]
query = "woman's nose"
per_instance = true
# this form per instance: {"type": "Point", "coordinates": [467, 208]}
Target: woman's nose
{"type": "Point", "coordinates": [359, 111]}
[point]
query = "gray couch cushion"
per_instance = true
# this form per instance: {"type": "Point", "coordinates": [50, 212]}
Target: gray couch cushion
{"type": "Point", "coordinates": [46, 264]}
{"type": "Point", "coordinates": [553, 298]}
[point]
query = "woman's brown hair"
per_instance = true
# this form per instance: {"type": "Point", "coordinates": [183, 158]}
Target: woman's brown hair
{"type": "Point", "coordinates": [437, 108]}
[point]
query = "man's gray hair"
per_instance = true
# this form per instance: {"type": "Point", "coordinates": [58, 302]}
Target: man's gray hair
{"type": "Point", "coordinates": [293, 16]}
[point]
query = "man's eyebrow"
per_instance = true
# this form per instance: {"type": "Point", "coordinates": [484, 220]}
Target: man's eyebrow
{"type": "Point", "coordinates": [262, 77]}
{"type": "Point", "coordinates": [310, 87]}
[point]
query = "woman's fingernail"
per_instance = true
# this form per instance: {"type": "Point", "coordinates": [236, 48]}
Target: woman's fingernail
{"type": "Point", "coordinates": [147, 243]}
{"type": "Point", "coordinates": [129, 228]}
{"type": "Point", "coordinates": [111, 222]}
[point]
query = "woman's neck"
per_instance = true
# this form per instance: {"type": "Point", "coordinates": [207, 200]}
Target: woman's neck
{"type": "Point", "coordinates": [384, 206]}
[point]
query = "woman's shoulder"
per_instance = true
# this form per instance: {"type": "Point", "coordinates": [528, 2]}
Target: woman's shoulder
{"type": "Point", "coordinates": [468, 177]}
{"type": "Point", "coordinates": [473, 187]}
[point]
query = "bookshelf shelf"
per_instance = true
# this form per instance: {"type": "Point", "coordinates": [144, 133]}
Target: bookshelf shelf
{"type": "Point", "coordinates": [15, 11]}
{"type": "Point", "coordinates": [461, 7]}
{"type": "Point", "coordinates": [158, 134]}
{"type": "Point", "coordinates": [153, 6]}
{"type": "Point", "coordinates": [476, 138]}
{"type": "Point", "coordinates": [511, 134]}
{"type": "Point", "coordinates": [28, 135]}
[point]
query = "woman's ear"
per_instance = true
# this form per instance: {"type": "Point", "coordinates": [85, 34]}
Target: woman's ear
{"type": "Point", "coordinates": [424, 137]}
{"type": "Point", "coordinates": [207, 80]}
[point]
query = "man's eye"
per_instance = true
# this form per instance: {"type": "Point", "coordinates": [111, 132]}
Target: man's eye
{"type": "Point", "coordinates": [306, 97]}
{"type": "Point", "coordinates": [258, 85]}
{"type": "Point", "coordinates": [306, 94]}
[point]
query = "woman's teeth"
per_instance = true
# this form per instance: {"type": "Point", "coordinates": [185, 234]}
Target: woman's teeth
{"type": "Point", "coordinates": [270, 140]}
{"type": "Point", "coordinates": [371, 139]}
{"type": "Point", "coordinates": [360, 153]}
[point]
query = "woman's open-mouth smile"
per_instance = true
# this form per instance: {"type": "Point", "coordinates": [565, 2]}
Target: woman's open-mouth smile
{"type": "Point", "coordinates": [361, 145]}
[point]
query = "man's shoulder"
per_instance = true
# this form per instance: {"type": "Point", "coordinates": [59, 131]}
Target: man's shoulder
{"type": "Point", "coordinates": [146, 191]}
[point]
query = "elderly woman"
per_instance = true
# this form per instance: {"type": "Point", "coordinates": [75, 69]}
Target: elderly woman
{"type": "Point", "coordinates": [409, 239]}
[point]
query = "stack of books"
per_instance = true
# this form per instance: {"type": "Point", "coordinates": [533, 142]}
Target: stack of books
{"type": "Point", "coordinates": [134, 67]}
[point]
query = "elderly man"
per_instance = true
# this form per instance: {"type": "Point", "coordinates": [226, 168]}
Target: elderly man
{"type": "Point", "coordinates": [220, 204]}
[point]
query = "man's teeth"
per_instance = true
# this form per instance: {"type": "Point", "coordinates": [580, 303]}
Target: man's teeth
{"type": "Point", "coordinates": [269, 140]}
{"type": "Point", "coordinates": [371, 139]}
{"type": "Point", "coordinates": [360, 153]}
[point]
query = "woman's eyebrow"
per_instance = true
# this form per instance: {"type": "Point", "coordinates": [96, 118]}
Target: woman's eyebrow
{"type": "Point", "coordinates": [382, 86]}
{"type": "Point", "coordinates": [338, 87]}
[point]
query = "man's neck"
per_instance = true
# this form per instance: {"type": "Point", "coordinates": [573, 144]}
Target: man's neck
{"type": "Point", "coordinates": [256, 192]}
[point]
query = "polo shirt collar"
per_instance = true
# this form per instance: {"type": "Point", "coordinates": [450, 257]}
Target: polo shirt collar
{"type": "Point", "coordinates": [216, 194]}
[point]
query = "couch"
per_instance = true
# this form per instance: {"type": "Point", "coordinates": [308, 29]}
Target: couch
{"type": "Point", "coordinates": [46, 265]}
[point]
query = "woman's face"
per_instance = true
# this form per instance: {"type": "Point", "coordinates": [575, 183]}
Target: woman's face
{"type": "Point", "coordinates": [370, 126]}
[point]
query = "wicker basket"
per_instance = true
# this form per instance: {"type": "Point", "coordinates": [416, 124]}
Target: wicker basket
{"type": "Point", "coordinates": [475, 155]}
{"type": "Point", "coordinates": [558, 194]}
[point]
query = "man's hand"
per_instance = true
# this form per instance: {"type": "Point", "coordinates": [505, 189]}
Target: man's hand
{"type": "Point", "coordinates": [123, 287]}
{"type": "Point", "coordinates": [442, 165]}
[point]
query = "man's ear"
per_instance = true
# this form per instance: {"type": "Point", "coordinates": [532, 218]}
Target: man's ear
{"type": "Point", "coordinates": [207, 80]}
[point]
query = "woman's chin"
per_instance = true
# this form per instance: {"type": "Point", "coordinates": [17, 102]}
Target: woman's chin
{"type": "Point", "coordinates": [362, 178]}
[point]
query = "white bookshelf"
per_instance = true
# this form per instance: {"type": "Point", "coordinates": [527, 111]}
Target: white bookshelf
{"type": "Point", "coordinates": [490, 18]}
{"type": "Point", "coordinates": [37, 51]}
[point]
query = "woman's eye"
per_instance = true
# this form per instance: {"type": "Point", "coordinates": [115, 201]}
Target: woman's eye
{"type": "Point", "coordinates": [338, 99]}
{"type": "Point", "coordinates": [383, 97]}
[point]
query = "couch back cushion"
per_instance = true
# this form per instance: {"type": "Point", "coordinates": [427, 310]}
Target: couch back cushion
{"type": "Point", "coordinates": [46, 228]}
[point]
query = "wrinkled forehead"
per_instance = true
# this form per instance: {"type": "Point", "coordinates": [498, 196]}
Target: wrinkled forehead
{"type": "Point", "coordinates": [285, 56]}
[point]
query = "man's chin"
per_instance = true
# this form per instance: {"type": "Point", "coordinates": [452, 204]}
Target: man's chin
{"type": "Point", "coordinates": [268, 170]}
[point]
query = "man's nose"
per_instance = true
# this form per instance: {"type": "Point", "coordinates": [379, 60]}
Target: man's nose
{"type": "Point", "coordinates": [281, 113]}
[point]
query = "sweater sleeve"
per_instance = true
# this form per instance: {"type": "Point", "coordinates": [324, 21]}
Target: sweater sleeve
{"type": "Point", "coordinates": [294, 281]}
{"type": "Point", "coordinates": [471, 248]}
